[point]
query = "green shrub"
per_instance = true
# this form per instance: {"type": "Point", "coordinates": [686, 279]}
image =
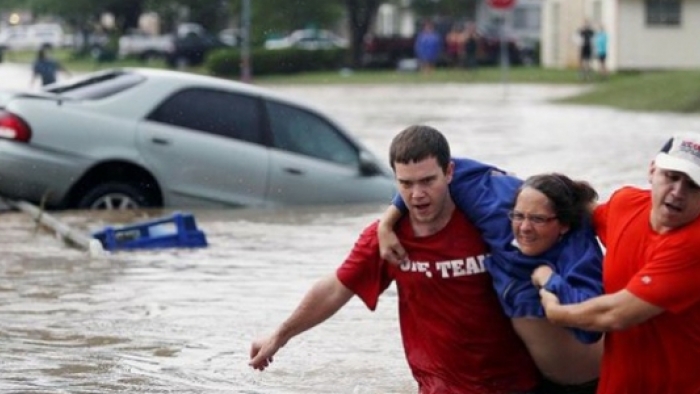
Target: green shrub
{"type": "Point", "coordinates": [227, 62]}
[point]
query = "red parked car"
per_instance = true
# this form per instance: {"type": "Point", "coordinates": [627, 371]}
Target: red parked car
{"type": "Point", "coordinates": [388, 51]}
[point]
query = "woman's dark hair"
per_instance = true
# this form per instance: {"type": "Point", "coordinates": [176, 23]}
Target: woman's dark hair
{"type": "Point", "coordinates": [571, 200]}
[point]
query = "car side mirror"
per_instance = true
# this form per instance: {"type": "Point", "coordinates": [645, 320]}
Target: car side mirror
{"type": "Point", "coordinates": [368, 165]}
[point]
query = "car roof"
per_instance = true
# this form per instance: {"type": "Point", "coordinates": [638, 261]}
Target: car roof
{"type": "Point", "coordinates": [165, 75]}
{"type": "Point", "coordinates": [242, 87]}
{"type": "Point", "coordinates": [215, 82]}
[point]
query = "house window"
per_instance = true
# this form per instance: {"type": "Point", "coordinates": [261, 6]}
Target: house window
{"type": "Point", "coordinates": [526, 18]}
{"type": "Point", "coordinates": [663, 12]}
{"type": "Point", "coordinates": [598, 11]}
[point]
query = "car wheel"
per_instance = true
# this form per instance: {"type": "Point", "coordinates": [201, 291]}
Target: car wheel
{"type": "Point", "coordinates": [115, 196]}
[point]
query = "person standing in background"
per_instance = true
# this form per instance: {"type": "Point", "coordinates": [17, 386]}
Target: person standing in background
{"type": "Point", "coordinates": [427, 47]}
{"type": "Point", "coordinates": [454, 43]}
{"type": "Point", "coordinates": [586, 34]}
{"type": "Point", "coordinates": [601, 49]}
{"type": "Point", "coordinates": [45, 68]}
{"type": "Point", "coordinates": [471, 46]}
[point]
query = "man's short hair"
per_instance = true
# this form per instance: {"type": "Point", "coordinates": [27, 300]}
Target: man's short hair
{"type": "Point", "coordinates": [417, 143]}
{"type": "Point", "coordinates": [681, 153]}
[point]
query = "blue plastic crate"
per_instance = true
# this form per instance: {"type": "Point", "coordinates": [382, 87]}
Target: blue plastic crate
{"type": "Point", "coordinates": [176, 231]}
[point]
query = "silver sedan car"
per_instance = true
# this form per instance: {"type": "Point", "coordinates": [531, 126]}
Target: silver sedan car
{"type": "Point", "coordinates": [129, 138]}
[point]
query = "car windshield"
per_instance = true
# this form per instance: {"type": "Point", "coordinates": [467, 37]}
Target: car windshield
{"type": "Point", "coordinates": [97, 86]}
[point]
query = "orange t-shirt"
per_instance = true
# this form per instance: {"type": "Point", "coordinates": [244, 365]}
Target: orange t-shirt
{"type": "Point", "coordinates": [662, 354]}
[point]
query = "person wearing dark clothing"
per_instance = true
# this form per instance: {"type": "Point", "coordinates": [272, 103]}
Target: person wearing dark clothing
{"type": "Point", "coordinates": [586, 35]}
{"type": "Point", "coordinates": [471, 47]}
{"type": "Point", "coordinates": [45, 68]}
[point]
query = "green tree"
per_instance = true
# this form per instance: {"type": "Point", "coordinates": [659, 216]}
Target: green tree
{"type": "Point", "coordinates": [275, 18]}
{"type": "Point", "coordinates": [82, 13]}
{"type": "Point", "coordinates": [126, 12]}
{"type": "Point", "coordinates": [213, 15]}
{"type": "Point", "coordinates": [270, 17]}
{"type": "Point", "coordinates": [448, 8]}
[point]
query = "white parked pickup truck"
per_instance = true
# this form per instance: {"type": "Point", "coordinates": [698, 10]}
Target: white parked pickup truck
{"type": "Point", "coordinates": [167, 46]}
{"type": "Point", "coordinates": [188, 46]}
{"type": "Point", "coordinates": [145, 46]}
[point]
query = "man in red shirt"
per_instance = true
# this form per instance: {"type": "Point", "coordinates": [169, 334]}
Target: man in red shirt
{"type": "Point", "coordinates": [650, 273]}
{"type": "Point", "coordinates": [456, 338]}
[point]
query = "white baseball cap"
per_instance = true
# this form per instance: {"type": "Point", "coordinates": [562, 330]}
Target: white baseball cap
{"type": "Point", "coordinates": [681, 153]}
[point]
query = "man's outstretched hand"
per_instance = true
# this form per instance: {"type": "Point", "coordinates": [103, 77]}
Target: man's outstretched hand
{"type": "Point", "coordinates": [262, 352]}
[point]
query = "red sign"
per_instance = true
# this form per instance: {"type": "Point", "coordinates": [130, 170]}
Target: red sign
{"type": "Point", "coordinates": [501, 4]}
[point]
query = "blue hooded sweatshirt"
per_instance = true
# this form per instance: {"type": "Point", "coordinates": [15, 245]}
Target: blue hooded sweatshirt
{"type": "Point", "coordinates": [485, 194]}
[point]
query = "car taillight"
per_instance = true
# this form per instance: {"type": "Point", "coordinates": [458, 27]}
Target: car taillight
{"type": "Point", "coordinates": [12, 127]}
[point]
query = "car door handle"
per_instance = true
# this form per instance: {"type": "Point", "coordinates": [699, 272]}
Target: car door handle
{"type": "Point", "coordinates": [160, 141]}
{"type": "Point", "coordinates": [293, 171]}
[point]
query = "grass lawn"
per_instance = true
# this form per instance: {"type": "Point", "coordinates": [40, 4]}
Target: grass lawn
{"type": "Point", "coordinates": [662, 91]}
{"type": "Point", "coordinates": [668, 91]}
{"type": "Point", "coordinates": [78, 64]}
{"type": "Point", "coordinates": [481, 75]}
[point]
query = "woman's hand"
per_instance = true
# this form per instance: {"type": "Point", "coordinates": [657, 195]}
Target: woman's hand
{"type": "Point", "coordinates": [540, 276]}
{"type": "Point", "coordinates": [548, 301]}
{"type": "Point", "coordinates": [390, 248]}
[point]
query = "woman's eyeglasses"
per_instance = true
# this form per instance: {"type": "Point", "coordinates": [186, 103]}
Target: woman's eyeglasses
{"type": "Point", "coordinates": [535, 220]}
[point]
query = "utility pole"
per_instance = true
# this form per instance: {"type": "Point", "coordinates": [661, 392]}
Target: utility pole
{"type": "Point", "coordinates": [246, 63]}
{"type": "Point", "coordinates": [502, 8]}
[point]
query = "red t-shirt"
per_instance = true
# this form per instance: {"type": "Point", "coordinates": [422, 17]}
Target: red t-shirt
{"type": "Point", "coordinates": [456, 337]}
{"type": "Point", "coordinates": [662, 354]}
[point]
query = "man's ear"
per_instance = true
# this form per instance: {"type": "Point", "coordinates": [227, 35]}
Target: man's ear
{"type": "Point", "coordinates": [449, 173]}
{"type": "Point", "coordinates": [652, 168]}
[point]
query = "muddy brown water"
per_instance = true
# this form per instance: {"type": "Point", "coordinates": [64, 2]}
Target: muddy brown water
{"type": "Point", "coordinates": [181, 321]}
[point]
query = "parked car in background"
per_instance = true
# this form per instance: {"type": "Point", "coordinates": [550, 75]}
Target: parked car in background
{"type": "Point", "coordinates": [140, 137]}
{"type": "Point", "coordinates": [32, 37]}
{"type": "Point", "coordinates": [189, 45]}
{"type": "Point", "coordinates": [191, 48]}
{"type": "Point", "coordinates": [311, 39]}
{"type": "Point", "coordinates": [138, 43]}
{"type": "Point", "coordinates": [388, 51]}
{"type": "Point", "coordinates": [88, 39]}
{"type": "Point", "coordinates": [230, 37]}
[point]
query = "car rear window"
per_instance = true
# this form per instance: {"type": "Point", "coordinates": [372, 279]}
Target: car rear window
{"type": "Point", "coordinates": [97, 86]}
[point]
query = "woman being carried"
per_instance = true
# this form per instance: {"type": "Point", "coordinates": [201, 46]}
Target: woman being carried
{"type": "Point", "coordinates": [544, 220]}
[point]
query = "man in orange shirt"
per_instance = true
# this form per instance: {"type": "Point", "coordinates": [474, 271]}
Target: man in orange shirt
{"type": "Point", "coordinates": [650, 274]}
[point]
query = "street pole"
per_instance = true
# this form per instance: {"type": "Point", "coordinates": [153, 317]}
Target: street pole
{"type": "Point", "coordinates": [246, 63]}
{"type": "Point", "coordinates": [505, 60]}
{"type": "Point", "coordinates": [502, 8]}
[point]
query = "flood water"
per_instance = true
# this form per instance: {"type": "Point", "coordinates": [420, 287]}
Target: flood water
{"type": "Point", "coordinates": [181, 321]}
